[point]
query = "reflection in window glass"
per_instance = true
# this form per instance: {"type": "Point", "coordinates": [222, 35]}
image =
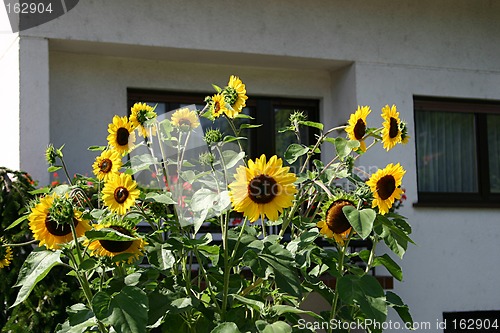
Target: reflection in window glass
{"type": "Point", "coordinates": [494, 151]}
{"type": "Point", "coordinates": [446, 153]}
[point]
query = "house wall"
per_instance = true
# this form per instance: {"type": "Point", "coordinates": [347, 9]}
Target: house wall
{"type": "Point", "coordinates": [345, 53]}
{"type": "Point", "coordinates": [9, 95]}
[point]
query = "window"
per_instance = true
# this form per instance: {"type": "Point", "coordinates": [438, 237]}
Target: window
{"type": "Point", "coordinates": [471, 321]}
{"type": "Point", "coordinates": [458, 151]}
{"type": "Point", "coordinates": [271, 112]}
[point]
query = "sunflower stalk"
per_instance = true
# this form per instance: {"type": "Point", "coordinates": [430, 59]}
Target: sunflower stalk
{"type": "Point", "coordinates": [340, 269]}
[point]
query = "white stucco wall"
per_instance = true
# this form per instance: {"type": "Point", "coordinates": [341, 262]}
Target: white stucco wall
{"type": "Point", "coordinates": [342, 52]}
{"type": "Point", "coordinates": [9, 95]}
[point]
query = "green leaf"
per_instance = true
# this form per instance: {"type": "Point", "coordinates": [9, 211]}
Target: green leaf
{"type": "Point", "coordinates": [227, 327]}
{"type": "Point", "coordinates": [391, 266]}
{"type": "Point", "coordinates": [285, 276]}
{"type": "Point", "coordinates": [100, 305]}
{"type": "Point", "coordinates": [211, 252]}
{"type": "Point", "coordinates": [243, 116]}
{"type": "Point", "coordinates": [341, 146]}
{"type": "Point", "coordinates": [80, 319]}
{"type": "Point", "coordinates": [360, 220]}
{"type": "Point", "coordinates": [18, 221]}
{"type": "Point", "coordinates": [89, 264]}
{"type": "Point", "coordinates": [161, 257]}
{"type": "Point", "coordinates": [230, 138]}
{"type": "Point", "coordinates": [129, 311]}
{"type": "Point", "coordinates": [217, 88]}
{"type": "Point", "coordinates": [182, 303]}
{"type": "Point", "coordinates": [243, 126]}
{"type": "Point", "coordinates": [280, 310]}
{"type": "Point", "coordinates": [231, 158]}
{"type": "Point", "coordinates": [43, 190]}
{"type": "Point", "coordinates": [294, 151]}
{"type": "Point", "coordinates": [165, 198]}
{"type": "Point", "coordinates": [34, 269]}
{"type": "Point", "coordinates": [402, 309]}
{"type": "Point", "coordinates": [96, 148]}
{"type": "Point", "coordinates": [251, 303]}
{"type": "Point", "coordinates": [276, 327]}
{"type": "Point", "coordinates": [366, 292]}
{"type": "Point", "coordinates": [312, 124]}
{"type": "Point", "coordinates": [53, 168]}
{"type": "Point", "coordinates": [107, 234]}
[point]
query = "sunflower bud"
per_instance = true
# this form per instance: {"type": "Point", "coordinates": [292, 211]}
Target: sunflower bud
{"type": "Point", "coordinates": [50, 154]}
{"type": "Point", "coordinates": [61, 211]}
{"type": "Point", "coordinates": [207, 159]}
{"type": "Point", "coordinates": [404, 132]}
{"type": "Point", "coordinates": [297, 116]}
{"type": "Point", "coordinates": [230, 95]}
{"type": "Point", "coordinates": [213, 136]}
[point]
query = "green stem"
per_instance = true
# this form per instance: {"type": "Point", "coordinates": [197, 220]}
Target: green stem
{"type": "Point", "coordinates": [372, 254]}
{"type": "Point", "coordinates": [66, 171]}
{"type": "Point", "coordinates": [236, 132]}
{"type": "Point", "coordinates": [233, 254]}
{"type": "Point", "coordinates": [227, 268]}
{"type": "Point", "coordinates": [21, 244]}
{"type": "Point", "coordinates": [84, 283]}
{"type": "Point", "coordinates": [340, 268]}
{"type": "Point", "coordinates": [205, 277]}
{"type": "Point", "coordinates": [251, 287]}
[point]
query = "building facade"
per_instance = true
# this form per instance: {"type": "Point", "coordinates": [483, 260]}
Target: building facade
{"type": "Point", "coordinates": [64, 80]}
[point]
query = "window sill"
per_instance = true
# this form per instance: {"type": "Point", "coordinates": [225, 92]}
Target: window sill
{"type": "Point", "coordinates": [455, 204]}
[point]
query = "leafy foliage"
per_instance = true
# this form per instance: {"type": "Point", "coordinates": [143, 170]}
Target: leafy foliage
{"type": "Point", "coordinates": [153, 268]}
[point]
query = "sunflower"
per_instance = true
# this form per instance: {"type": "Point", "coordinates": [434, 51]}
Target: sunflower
{"type": "Point", "coordinates": [47, 221]}
{"type": "Point", "coordinates": [386, 186]}
{"type": "Point", "coordinates": [391, 132]}
{"type": "Point", "coordinates": [112, 248]}
{"type": "Point", "coordinates": [356, 128]}
{"type": "Point", "coordinates": [141, 114]}
{"type": "Point", "coordinates": [107, 164]}
{"type": "Point", "coordinates": [235, 96]}
{"type": "Point", "coordinates": [119, 193]}
{"type": "Point", "coordinates": [218, 105]}
{"type": "Point", "coordinates": [262, 189]}
{"type": "Point", "coordinates": [5, 254]}
{"type": "Point", "coordinates": [121, 134]}
{"type": "Point", "coordinates": [334, 223]}
{"type": "Point", "coordinates": [185, 119]}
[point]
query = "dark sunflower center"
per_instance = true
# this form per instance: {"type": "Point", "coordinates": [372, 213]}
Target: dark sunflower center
{"type": "Point", "coordinates": [393, 128]}
{"type": "Point", "coordinates": [117, 246]}
{"type": "Point", "coordinates": [184, 121]}
{"type": "Point", "coordinates": [122, 135]}
{"type": "Point", "coordinates": [359, 129]}
{"type": "Point", "coordinates": [121, 194]}
{"type": "Point", "coordinates": [386, 186]}
{"type": "Point", "coordinates": [335, 217]}
{"type": "Point", "coordinates": [262, 189]}
{"type": "Point", "coordinates": [58, 229]}
{"type": "Point", "coordinates": [216, 107]}
{"type": "Point", "coordinates": [106, 165]}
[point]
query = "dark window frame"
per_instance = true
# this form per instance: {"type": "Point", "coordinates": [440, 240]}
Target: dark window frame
{"type": "Point", "coordinates": [480, 108]}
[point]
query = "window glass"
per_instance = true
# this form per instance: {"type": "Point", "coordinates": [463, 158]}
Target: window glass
{"type": "Point", "coordinates": [493, 124]}
{"type": "Point", "coordinates": [446, 153]}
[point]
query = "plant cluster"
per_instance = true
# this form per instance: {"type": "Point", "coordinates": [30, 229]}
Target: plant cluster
{"type": "Point", "coordinates": [135, 236]}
